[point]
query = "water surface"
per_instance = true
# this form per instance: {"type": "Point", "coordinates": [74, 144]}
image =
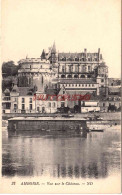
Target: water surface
{"type": "Point", "coordinates": [92, 155]}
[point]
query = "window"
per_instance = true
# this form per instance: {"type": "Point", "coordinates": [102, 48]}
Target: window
{"type": "Point", "coordinates": [70, 69]}
{"type": "Point", "coordinates": [92, 85]}
{"type": "Point", "coordinates": [89, 68]}
{"type": "Point", "coordinates": [62, 104]}
{"type": "Point", "coordinates": [23, 106]}
{"type": "Point", "coordinates": [38, 109]}
{"type": "Point", "coordinates": [102, 80]}
{"type": "Point", "coordinates": [82, 85]}
{"type": "Point", "coordinates": [23, 100]}
{"type": "Point", "coordinates": [53, 104]}
{"type": "Point", "coordinates": [79, 85]}
{"type": "Point", "coordinates": [76, 68]}
{"type": "Point", "coordinates": [63, 69]}
{"type": "Point", "coordinates": [75, 76]}
{"type": "Point", "coordinates": [15, 99]}
{"type": "Point", "coordinates": [15, 106]}
{"type": "Point", "coordinates": [7, 98]}
{"type": "Point", "coordinates": [31, 107]}
{"type": "Point", "coordinates": [30, 100]}
{"type": "Point", "coordinates": [86, 85]}
{"type": "Point", "coordinates": [76, 85]}
{"type": "Point", "coordinates": [49, 104]}
{"type": "Point", "coordinates": [7, 106]}
{"type": "Point", "coordinates": [73, 85]}
{"type": "Point", "coordinates": [69, 76]}
{"type": "Point", "coordinates": [89, 85]}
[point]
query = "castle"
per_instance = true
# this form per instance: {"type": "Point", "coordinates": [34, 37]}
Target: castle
{"type": "Point", "coordinates": [64, 69]}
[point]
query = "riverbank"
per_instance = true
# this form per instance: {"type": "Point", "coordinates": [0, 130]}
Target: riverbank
{"type": "Point", "coordinates": [106, 116]}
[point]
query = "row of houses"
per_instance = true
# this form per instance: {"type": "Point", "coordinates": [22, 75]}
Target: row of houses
{"type": "Point", "coordinates": [27, 100]}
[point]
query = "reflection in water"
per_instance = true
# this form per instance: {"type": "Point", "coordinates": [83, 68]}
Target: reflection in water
{"type": "Point", "coordinates": [92, 155]}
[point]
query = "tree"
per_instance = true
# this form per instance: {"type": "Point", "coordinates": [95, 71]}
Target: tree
{"type": "Point", "coordinates": [66, 109]}
{"type": "Point", "coordinates": [112, 108]}
{"type": "Point", "coordinates": [7, 83]}
{"type": "Point", "coordinates": [77, 108]}
{"type": "Point", "coordinates": [9, 69]}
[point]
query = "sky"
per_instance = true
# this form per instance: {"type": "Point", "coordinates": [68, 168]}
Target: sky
{"type": "Point", "coordinates": [29, 26]}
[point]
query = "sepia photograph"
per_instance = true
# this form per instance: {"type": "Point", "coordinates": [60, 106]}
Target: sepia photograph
{"type": "Point", "coordinates": [60, 96]}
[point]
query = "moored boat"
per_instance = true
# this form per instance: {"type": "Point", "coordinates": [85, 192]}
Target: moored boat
{"type": "Point", "coordinates": [47, 123]}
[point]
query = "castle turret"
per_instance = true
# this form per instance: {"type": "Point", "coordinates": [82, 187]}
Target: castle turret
{"type": "Point", "coordinates": [53, 54]}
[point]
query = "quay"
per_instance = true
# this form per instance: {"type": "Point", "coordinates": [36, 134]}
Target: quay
{"type": "Point", "coordinates": [111, 116]}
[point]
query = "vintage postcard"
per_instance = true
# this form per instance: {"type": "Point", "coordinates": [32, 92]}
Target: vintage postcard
{"type": "Point", "coordinates": [60, 96]}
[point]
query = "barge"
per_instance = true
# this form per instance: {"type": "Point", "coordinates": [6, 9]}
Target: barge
{"type": "Point", "coordinates": [47, 124]}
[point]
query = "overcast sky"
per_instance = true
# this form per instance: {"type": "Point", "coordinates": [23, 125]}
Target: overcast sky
{"type": "Point", "coordinates": [28, 26]}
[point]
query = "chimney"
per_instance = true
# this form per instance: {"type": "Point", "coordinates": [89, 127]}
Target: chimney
{"type": "Point", "coordinates": [99, 53]}
{"type": "Point", "coordinates": [85, 51]}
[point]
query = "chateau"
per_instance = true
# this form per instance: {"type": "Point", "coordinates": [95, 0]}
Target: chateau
{"type": "Point", "coordinates": [61, 73]}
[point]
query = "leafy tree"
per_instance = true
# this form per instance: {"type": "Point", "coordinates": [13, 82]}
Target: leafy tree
{"type": "Point", "coordinates": [77, 108]}
{"type": "Point", "coordinates": [112, 108]}
{"type": "Point", "coordinates": [7, 83]}
{"type": "Point", "coordinates": [9, 69]}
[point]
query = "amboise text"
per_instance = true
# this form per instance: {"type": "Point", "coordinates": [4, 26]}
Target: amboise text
{"type": "Point", "coordinates": [75, 97]}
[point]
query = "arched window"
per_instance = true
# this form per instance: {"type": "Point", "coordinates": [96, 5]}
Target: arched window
{"type": "Point", "coordinates": [62, 76]}
{"type": "Point", "coordinates": [82, 76]}
{"type": "Point", "coordinates": [49, 104]}
{"type": "Point", "coordinates": [69, 76]}
{"type": "Point", "coordinates": [64, 59]}
{"type": "Point", "coordinates": [53, 104]}
{"type": "Point", "coordinates": [89, 76]}
{"type": "Point", "coordinates": [76, 76]}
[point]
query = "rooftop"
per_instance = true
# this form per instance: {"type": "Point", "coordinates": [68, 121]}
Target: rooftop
{"type": "Point", "coordinates": [77, 81]}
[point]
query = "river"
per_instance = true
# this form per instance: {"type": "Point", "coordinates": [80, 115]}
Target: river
{"type": "Point", "coordinates": [95, 155]}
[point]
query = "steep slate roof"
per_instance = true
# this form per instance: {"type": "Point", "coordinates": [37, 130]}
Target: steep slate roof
{"type": "Point", "coordinates": [77, 81]}
{"type": "Point", "coordinates": [23, 91]}
{"type": "Point", "coordinates": [114, 89]}
{"type": "Point", "coordinates": [77, 54]}
{"type": "Point", "coordinates": [52, 91]}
